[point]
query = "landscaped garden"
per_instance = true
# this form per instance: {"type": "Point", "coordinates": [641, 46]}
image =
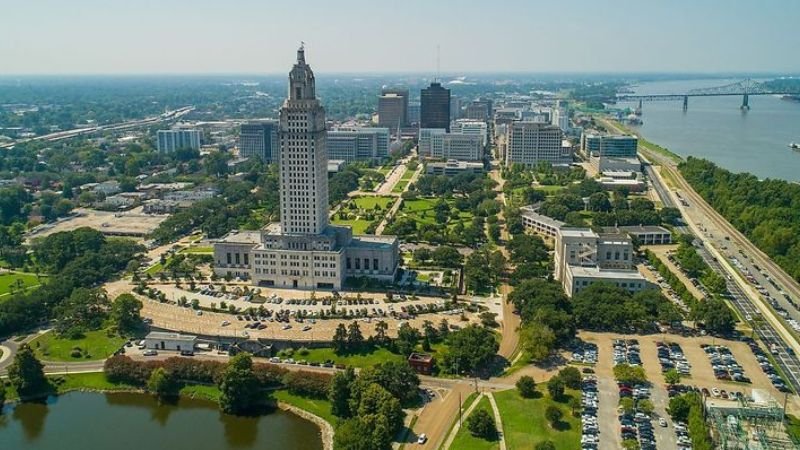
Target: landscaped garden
{"type": "Point", "coordinates": [403, 182]}
{"type": "Point", "coordinates": [363, 214]}
{"type": "Point", "coordinates": [93, 345]}
{"type": "Point", "coordinates": [16, 281]}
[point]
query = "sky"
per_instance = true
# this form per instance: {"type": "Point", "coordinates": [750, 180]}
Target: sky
{"type": "Point", "coordinates": [366, 36]}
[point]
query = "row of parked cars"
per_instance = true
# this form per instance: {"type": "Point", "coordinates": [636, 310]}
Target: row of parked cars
{"type": "Point", "coordinates": [590, 435]}
{"type": "Point", "coordinates": [585, 353]}
{"type": "Point", "coordinates": [724, 363]}
{"type": "Point", "coordinates": [626, 351]}
{"type": "Point", "coordinates": [638, 426]}
{"type": "Point", "coordinates": [767, 367]}
{"type": "Point", "coordinates": [682, 433]}
{"type": "Point", "coordinates": [671, 356]}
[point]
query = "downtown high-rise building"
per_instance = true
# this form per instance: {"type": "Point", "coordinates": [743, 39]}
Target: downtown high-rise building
{"type": "Point", "coordinates": [393, 108]}
{"type": "Point", "coordinates": [435, 107]}
{"type": "Point", "coordinates": [304, 251]}
{"type": "Point", "coordinates": [530, 143]}
{"type": "Point", "coordinates": [259, 139]}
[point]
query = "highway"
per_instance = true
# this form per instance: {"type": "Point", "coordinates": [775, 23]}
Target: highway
{"type": "Point", "coordinates": [57, 136]}
{"type": "Point", "coordinates": [770, 330]}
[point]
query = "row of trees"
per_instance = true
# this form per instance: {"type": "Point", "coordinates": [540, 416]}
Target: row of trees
{"type": "Point", "coordinates": [688, 408]}
{"type": "Point", "coordinates": [767, 212]}
{"type": "Point", "coordinates": [370, 404]}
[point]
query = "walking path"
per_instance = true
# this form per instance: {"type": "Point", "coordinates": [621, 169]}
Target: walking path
{"type": "Point", "coordinates": [499, 421]}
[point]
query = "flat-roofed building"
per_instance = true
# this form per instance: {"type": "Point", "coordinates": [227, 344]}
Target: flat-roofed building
{"type": "Point", "coordinates": [393, 108]}
{"type": "Point", "coordinates": [165, 340]}
{"type": "Point", "coordinates": [435, 107]}
{"type": "Point", "coordinates": [607, 145]}
{"type": "Point", "coordinates": [644, 234]}
{"type": "Point", "coordinates": [358, 144]}
{"type": "Point", "coordinates": [471, 127]}
{"type": "Point", "coordinates": [578, 278]}
{"type": "Point", "coordinates": [539, 223]}
{"type": "Point", "coordinates": [259, 139]}
{"type": "Point", "coordinates": [453, 167]}
{"type": "Point", "coordinates": [181, 139]}
{"type": "Point", "coordinates": [530, 143]}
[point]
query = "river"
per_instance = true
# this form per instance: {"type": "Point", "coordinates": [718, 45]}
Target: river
{"type": "Point", "coordinates": [92, 421]}
{"type": "Point", "coordinates": [714, 128]}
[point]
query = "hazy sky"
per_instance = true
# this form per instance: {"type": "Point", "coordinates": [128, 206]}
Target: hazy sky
{"type": "Point", "coordinates": [260, 36]}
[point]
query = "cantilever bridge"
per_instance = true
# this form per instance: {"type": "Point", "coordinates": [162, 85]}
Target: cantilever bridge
{"type": "Point", "coordinates": [745, 88]}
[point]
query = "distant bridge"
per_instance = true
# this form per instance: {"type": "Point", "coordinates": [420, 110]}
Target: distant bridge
{"type": "Point", "coordinates": [745, 88]}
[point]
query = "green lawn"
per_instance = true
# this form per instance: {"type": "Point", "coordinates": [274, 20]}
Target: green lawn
{"type": "Point", "coordinates": [465, 440]}
{"type": "Point", "coordinates": [369, 202]}
{"type": "Point", "coordinates": [78, 381]}
{"type": "Point", "coordinates": [550, 189]}
{"type": "Point", "coordinates": [321, 408]}
{"type": "Point", "coordinates": [379, 355]}
{"type": "Point", "coordinates": [202, 391]}
{"type": "Point", "coordinates": [97, 344]}
{"type": "Point", "coordinates": [359, 225]}
{"type": "Point", "coordinates": [16, 280]}
{"type": "Point", "coordinates": [154, 269]}
{"type": "Point", "coordinates": [524, 424]}
{"type": "Point", "coordinates": [421, 210]}
{"type": "Point", "coordinates": [198, 249]}
{"type": "Point", "coordinates": [403, 182]}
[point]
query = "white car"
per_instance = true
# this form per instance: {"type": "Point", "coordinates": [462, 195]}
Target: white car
{"type": "Point", "coordinates": [422, 439]}
{"type": "Point", "coordinates": [149, 352]}
{"type": "Point", "coordinates": [662, 421]}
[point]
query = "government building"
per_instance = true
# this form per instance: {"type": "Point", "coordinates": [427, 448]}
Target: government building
{"type": "Point", "coordinates": [304, 251]}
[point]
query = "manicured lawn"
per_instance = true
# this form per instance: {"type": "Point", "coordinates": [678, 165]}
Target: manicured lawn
{"type": "Point", "coordinates": [17, 281]}
{"type": "Point", "coordinates": [421, 211]}
{"type": "Point", "coordinates": [549, 189]}
{"type": "Point", "coordinates": [379, 355]}
{"type": "Point", "coordinates": [211, 393]}
{"type": "Point", "coordinates": [524, 424]}
{"type": "Point", "coordinates": [368, 203]}
{"type": "Point", "coordinates": [154, 269]}
{"type": "Point", "coordinates": [321, 408]}
{"type": "Point", "coordinates": [359, 225]}
{"type": "Point", "coordinates": [97, 344]}
{"type": "Point", "coordinates": [465, 440]}
{"type": "Point", "coordinates": [198, 249]}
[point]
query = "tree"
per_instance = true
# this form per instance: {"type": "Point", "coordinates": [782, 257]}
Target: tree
{"type": "Point", "coordinates": [553, 415]}
{"type": "Point", "coordinates": [26, 373]}
{"type": "Point", "coordinates": [645, 406]}
{"type": "Point", "coordinates": [630, 444]}
{"type": "Point", "coordinates": [2, 395]}
{"type": "Point", "coordinates": [239, 386]}
{"type": "Point", "coordinates": [627, 404]}
{"type": "Point", "coordinates": [599, 202]}
{"type": "Point", "coordinates": [679, 407]}
{"type": "Point", "coordinates": [526, 386]}
{"type": "Point", "coordinates": [351, 435]}
{"type": "Point", "coordinates": [161, 383]}
{"type": "Point", "coordinates": [354, 337]}
{"type": "Point", "coordinates": [84, 310]}
{"type": "Point", "coordinates": [398, 378]}
{"type": "Point", "coordinates": [340, 339]}
{"type": "Point", "coordinates": [407, 339]}
{"type": "Point", "coordinates": [545, 445]}
{"type": "Point", "coordinates": [716, 316]}
{"type": "Point", "coordinates": [380, 332]}
{"type": "Point", "coordinates": [469, 349]}
{"type": "Point", "coordinates": [626, 373]}
{"type": "Point", "coordinates": [481, 424]}
{"type": "Point", "coordinates": [672, 377]}
{"type": "Point", "coordinates": [125, 314]}
{"type": "Point", "coordinates": [571, 377]}
{"type": "Point", "coordinates": [538, 340]}
{"type": "Point", "coordinates": [340, 391]}
{"type": "Point", "coordinates": [555, 387]}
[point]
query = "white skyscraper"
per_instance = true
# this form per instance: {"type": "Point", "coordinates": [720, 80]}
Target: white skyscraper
{"type": "Point", "coordinates": [304, 156]}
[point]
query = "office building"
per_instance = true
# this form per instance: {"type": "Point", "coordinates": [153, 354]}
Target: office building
{"type": "Point", "coordinates": [304, 251]}
{"type": "Point", "coordinates": [560, 118]}
{"type": "Point", "coordinates": [259, 139]}
{"type": "Point", "coordinates": [393, 108]}
{"type": "Point", "coordinates": [473, 127]}
{"type": "Point", "coordinates": [455, 108]}
{"type": "Point", "coordinates": [439, 144]}
{"type": "Point", "coordinates": [583, 257]}
{"type": "Point", "coordinates": [479, 110]}
{"type": "Point", "coordinates": [172, 140]}
{"type": "Point", "coordinates": [435, 107]}
{"type": "Point", "coordinates": [609, 146]}
{"type": "Point", "coordinates": [453, 167]}
{"type": "Point", "coordinates": [529, 143]}
{"type": "Point", "coordinates": [357, 144]}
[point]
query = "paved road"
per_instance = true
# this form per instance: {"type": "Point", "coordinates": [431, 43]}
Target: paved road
{"type": "Point", "coordinates": [698, 211]}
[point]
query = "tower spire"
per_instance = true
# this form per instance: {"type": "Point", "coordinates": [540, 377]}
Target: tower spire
{"type": "Point", "coordinates": [301, 53]}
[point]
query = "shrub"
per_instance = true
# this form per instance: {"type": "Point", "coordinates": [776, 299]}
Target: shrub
{"type": "Point", "coordinates": [526, 386]}
{"type": "Point", "coordinates": [309, 384]}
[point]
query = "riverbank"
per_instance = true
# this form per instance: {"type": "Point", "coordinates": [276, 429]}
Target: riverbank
{"type": "Point", "coordinates": [96, 382]}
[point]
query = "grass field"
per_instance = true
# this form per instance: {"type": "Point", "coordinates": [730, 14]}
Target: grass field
{"type": "Point", "coordinates": [97, 344]}
{"type": "Point", "coordinates": [421, 211]}
{"type": "Point", "coordinates": [362, 359]}
{"type": "Point", "coordinates": [321, 408]}
{"type": "Point", "coordinates": [198, 249]}
{"type": "Point", "coordinates": [368, 203]}
{"type": "Point", "coordinates": [359, 225]}
{"type": "Point", "coordinates": [550, 189]}
{"type": "Point", "coordinates": [16, 280]}
{"type": "Point", "coordinates": [403, 182]}
{"type": "Point", "coordinates": [524, 423]}
{"type": "Point", "coordinates": [465, 440]}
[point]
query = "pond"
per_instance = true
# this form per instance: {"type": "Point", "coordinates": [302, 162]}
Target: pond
{"type": "Point", "coordinates": [93, 421]}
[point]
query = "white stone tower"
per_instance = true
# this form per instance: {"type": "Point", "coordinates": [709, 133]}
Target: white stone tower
{"type": "Point", "coordinates": [303, 155]}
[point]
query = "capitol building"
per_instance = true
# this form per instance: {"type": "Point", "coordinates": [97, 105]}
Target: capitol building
{"type": "Point", "coordinates": [304, 251]}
